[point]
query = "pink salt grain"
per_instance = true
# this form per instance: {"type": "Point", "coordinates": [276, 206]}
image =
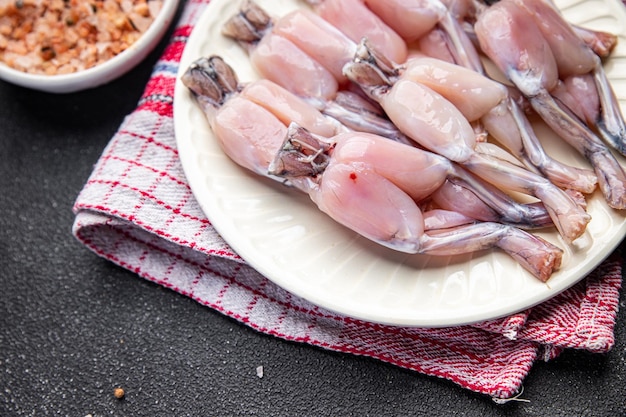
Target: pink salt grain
{"type": "Point", "coordinates": [56, 36]}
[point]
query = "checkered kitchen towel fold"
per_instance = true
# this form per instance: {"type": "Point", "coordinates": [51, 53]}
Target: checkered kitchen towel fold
{"type": "Point", "coordinates": [138, 211]}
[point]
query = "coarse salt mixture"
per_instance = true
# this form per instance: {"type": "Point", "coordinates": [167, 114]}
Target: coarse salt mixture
{"type": "Point", "coordinates": [65, 36]}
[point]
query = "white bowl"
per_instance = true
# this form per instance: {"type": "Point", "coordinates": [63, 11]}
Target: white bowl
{"type": "Point", "coordinates": [101, 73]}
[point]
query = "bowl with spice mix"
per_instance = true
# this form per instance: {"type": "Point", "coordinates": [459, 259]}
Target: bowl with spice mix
{"type": "Point", "coordinates": [63, 46]}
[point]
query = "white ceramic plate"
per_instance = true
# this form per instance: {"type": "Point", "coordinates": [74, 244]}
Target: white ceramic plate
{"type": "Point", "coordinates": [284, 236]}
{"type": "Point", "coordinates": [102, 73]}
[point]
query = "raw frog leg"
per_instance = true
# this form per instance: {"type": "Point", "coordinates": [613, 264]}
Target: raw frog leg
{"type": "Point", "coordinates": [437, 125]}
{"type": "Point", "coordinates": [277, 58]}
{"type": "Point", "coordinates": [419, 173]}
{"type": "Point", "coordinates": [357, 21]}
{"type": "Point", "coordinates": [368, 187]}
{"type": "Point", "coordinates": [466, 11]}
{"type": "Point", "coordinates": [250, 133]}
{"type": "Point", "coordinates": [317, 38]}
{"type": "Point", "coordinates": [214, 82]}
{"type": "Point", "coordinates": [536, 255]}
{"type": "Point", "coordinates": [482, 100]}
{"type": "Point", "coordinates": [574, 57]}
{"type": "Point", "coordinates": [250, 122]}
{"type": "Point", "coordinates": [517, 45]}
{"type": "Point", "coordinates": [303, 53]}
{"type": "Point", "coordinates": [600, 42]}
{"type": "Point", "coordinates": [415, 19]}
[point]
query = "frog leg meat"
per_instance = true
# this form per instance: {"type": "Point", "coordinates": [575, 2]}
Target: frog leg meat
{"type": "Point", "coordinates": [314, 50]}
{"type": "Point", "coordinates": [437, 125]}
{"type": "Point", "coordinates": [250, 121]}
{"type": "Point", "coordinates": [357, 21]}
{"type": "Point", "coordinates": [276, 57]}
{"type": "Point", "coordinates": [417, 172]}
{"type": "Point", "coordinates": [415, 19]}
{"type": "Point", "coordinates": [356, 191]}
{"type": "Point", "coordinates": [480, 98]}
{"type": "Point", "coordinates": [574, 57]}
{"type": "Point", "coordinates": [517, 46]}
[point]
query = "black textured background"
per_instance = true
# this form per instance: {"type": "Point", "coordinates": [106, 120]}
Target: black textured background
{"type": "Point", "coordinates": [73, 326]}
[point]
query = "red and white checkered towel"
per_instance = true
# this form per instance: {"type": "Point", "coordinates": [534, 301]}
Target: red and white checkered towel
{"type": "Point", "coordinates": [138, 211]}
